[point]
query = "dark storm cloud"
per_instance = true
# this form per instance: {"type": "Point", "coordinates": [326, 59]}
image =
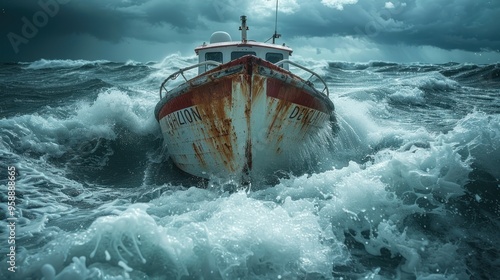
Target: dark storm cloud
{"type": "Point", "coordinates": [106, 20]}
{"type": "Point", "coordinates": [465, 25]}
{"type": "Point", "coordinates": [461, 24]}
{"type": "Point", "coordinates": [28, 28]}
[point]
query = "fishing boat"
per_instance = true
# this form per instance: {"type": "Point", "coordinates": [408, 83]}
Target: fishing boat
{"type": "Point", "coordinates": [245, 114]}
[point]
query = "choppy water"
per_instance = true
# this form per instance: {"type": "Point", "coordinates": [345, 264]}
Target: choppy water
{"type": "Point", "coordinates": [410, 191]}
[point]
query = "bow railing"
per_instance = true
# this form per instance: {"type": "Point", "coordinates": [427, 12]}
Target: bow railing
{"type": "Point", "coordinates": [181, 72]}
{"type": "Point", "coordinates": [279, 63]}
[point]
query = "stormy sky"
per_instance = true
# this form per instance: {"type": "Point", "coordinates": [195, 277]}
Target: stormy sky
{"type": "Point", "coordinates": [429, 31]}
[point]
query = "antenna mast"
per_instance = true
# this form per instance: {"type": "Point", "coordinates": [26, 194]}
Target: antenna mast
{"type": "Point", "coordinates": [276, 35]}
{"type": "Point", "coordinates": [243, 29]}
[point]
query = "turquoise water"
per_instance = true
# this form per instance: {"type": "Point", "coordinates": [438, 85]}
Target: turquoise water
{"type": "Point", "coordinates": [409, 190]}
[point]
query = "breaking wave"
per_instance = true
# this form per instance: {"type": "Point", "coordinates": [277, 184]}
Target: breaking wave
{"type": "Point", "coordinates": [409, 188]}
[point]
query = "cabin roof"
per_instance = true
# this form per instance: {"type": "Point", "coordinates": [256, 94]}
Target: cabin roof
{"type": "Point", "coordinates": [242, 44]}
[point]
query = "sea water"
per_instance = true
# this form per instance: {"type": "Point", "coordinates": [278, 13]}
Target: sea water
{"type": "Point", "coordinates": [408, 190]}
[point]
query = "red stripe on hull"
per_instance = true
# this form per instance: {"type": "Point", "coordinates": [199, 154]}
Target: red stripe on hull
{"type": "Point", "coordinates": [280, 90]}
{"type": "Point", "coordinates": [199, 95]}
{"type": "Point", "coordinates": [288, 92]}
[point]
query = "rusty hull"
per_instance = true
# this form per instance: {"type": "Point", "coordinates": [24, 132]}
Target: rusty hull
{"type": "Point", "coordinates": [247, 117]}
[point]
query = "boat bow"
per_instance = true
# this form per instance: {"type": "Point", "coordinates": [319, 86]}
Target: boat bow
{"type": "Point", "coordinates": [248, 116]}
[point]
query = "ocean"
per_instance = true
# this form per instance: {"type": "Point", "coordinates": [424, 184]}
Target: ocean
{"type": "Point", "coordinates": [409, 188]}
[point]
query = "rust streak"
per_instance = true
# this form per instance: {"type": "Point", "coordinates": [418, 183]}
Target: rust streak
{"type": "Point", "coordinates": [215, 107]}
{"type": "Point", "coordinates": [248, 90]}
{"type": "Point", "coordinates": [278, 116]}
{"type": "Point", "coordinates": [257, 87]}
{"type": "Point", "coordinates": [199, 155]}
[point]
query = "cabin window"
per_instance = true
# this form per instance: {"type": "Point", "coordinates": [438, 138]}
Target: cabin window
{"type": "Point", "coordinates": [235, 55]}
{"type": "Point", "coordinates": [274, 57]}
{"type": "Point", "coordinates": [215, 56]}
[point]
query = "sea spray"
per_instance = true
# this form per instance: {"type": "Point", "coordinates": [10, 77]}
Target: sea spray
{"type": "Point", "coordinates": [410, 189]}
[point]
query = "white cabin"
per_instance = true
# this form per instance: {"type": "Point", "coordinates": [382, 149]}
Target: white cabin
{"type": "Point", "coordinates": [223, 49]}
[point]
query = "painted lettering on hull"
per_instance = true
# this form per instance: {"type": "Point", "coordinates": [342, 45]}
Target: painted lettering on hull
{"type": "Point", "coordinates": [307, 115]}
{"type": "Point", "coordinates": [184, 116]}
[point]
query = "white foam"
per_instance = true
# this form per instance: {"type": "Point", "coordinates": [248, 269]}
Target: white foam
{"type": "Point", "coordinates": [320, 67]}
{"type": "Point", "coordinates": [169, 65]}
{"type": "Point", "coordinates": [114, 107]}
{"type": "Point", "coordinates": [299, 230]}
{"type": "Point", "coordinates": [408, 95]}
{"type": "Point", "coordinates": [433, 81]}
{"type": "Point", "coordinates": [478, 135]}
{"type": "Point", "coordinates": [62, 63]}
{"type": "Point", "coordinates": [236, 236]}
{"type": "Point", "coordinates": [417, 175]}
{"type": "Point", "coordinates": [390, 174]}
{"type": "Point", "coordinates": [55, 135]}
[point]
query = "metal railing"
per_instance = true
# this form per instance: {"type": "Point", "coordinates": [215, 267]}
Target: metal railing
{"type": "Point", "coordinates": [305, 69]}
{"type": "Point", "coordinates": [181, 72]}
{"type": "Point", "coordinates": [215, 63]}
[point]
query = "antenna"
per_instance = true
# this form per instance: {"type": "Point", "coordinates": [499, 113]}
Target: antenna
{"type": "Point", "coordinates": [275, 35]}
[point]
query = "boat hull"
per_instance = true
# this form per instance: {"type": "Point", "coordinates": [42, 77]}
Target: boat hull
{"type": "Point", "coordinates": [245, 118]}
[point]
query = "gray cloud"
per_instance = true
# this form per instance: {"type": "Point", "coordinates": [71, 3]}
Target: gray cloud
{"type": "Point", "coordinates": [449, 25]}
{"type": "Point", "coordinates": [462, 24]}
